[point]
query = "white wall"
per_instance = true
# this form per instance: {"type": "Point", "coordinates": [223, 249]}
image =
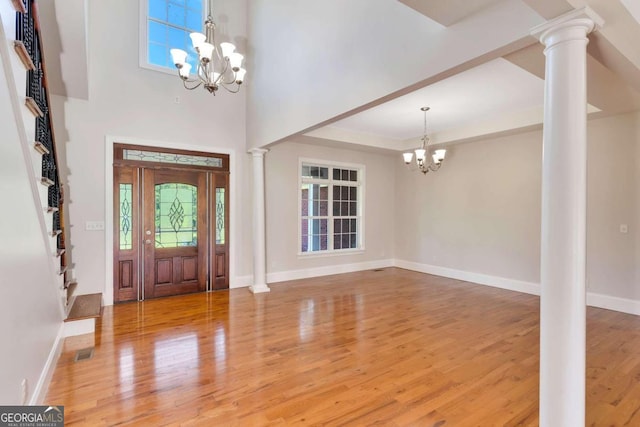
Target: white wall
{"type": "Point", "coordinates": [481, 212]}
{"type": "Point", "coordinates": [128, 101]}
{"type": "Point", "coordinates": [330, 57]}
{"type": "Point", "coordinates": [30, 315]}
{"type": "Point", "coordinates": [282, 188]}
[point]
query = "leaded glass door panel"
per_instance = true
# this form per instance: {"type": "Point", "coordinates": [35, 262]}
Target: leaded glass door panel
{"type": "Point", "coordinates": [174, 232]}
{"type": "Point", "coordinates": [126, 258]}
{"type": "Point", "coordinates": [219, 206]}
{"type": "Point", "coordinates": [171, 222]}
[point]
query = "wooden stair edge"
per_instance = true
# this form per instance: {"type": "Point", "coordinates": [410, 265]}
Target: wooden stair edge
{"type": "Point", "coordinates": [46, 181]}
{"type": "Point", "coordinates": [88, 306]}
{"type": "Point", "coordinates": [23, 54]}
{"type": "Point", "coordinates": [40, 148]}
{"type": "Point", "coordinates": [32, 105]}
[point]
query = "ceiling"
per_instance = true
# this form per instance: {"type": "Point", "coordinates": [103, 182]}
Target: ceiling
{"type": "Point", "coordinates": [472, 96]}
{"type": "Point", "coordinates": [501, 94]}
{"type": "Point", "coordinates": [498, 96]}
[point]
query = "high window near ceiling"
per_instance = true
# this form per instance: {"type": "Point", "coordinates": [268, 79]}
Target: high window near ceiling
{"type": "Point", "coordinates": [166, 24]}
{"type": "Point", "coordinates": [330, 208]}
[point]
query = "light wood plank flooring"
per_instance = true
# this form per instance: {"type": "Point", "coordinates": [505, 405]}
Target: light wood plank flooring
{"type": "Point", "coordinates": [391, 347]}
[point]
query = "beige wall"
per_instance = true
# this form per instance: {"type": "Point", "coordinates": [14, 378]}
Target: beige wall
{"type": "Point", "coordinates": [611, 201]}
{"type": "Point", "coordinates": [281, 179]}
{"type": "Point", "coordinates": [128, 101]}
{"type": "Point", "coordinates": [481, 212]}
{"type": "Point", "coordinates": [637, 204]}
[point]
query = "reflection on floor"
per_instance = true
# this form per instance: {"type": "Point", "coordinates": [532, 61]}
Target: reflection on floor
{"type": "Point", "coordinates": [394, 347]}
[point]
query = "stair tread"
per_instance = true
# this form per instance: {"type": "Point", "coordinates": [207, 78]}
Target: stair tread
{"type": "Point", "coordinates": [86, 307]}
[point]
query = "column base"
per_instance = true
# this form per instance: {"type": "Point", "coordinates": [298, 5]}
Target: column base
{"type": "Point", "coordinates": [258, 289]}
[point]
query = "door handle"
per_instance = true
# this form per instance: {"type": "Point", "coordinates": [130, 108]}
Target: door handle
{"type": "Point", "coordinates": [147, 241]}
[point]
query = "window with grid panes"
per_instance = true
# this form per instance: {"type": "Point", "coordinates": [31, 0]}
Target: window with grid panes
{"type": "Point", "coordinates": [167, 25]}
{"type": "Point", "coordinates": [330, 208]}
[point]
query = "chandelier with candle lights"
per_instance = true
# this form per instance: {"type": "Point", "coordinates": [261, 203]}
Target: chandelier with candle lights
{"type": "Point", "coordinates": [218, 66]}
{"type": "Point", "coordinates": [424, 159]}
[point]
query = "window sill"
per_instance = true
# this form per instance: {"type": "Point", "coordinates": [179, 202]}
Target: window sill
{"type": "Point", "coordinates": [325, 254]}
{"type": "Point", "coordinates": [164, 70]}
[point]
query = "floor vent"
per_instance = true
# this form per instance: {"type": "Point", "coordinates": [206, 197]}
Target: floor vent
{"type": "Point", "coordinates": [84, 354]}
{"type": "Point", "coordinates": [378, 269]}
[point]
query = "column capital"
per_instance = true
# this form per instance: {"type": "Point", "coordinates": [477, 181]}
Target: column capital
{"type": "Point", "coordinates": [258, 152]}
{"type": "Point", "coordinates": [584, 18]}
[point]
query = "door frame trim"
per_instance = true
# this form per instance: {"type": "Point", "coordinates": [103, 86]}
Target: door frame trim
{"type": "Point", "coordinates": [110, 141]}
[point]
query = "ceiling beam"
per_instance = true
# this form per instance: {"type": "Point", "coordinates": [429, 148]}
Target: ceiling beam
{"type": "Point", "coordinates": [448, 12]}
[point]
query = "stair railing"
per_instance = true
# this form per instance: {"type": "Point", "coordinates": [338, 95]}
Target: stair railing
{"type": "Point", "coordinates": [29, 48]}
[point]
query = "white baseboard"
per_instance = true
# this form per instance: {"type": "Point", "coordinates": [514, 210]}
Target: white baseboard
{"type": "Point", "coordinates": [79, 327]}
{"type": "Point", "coordinates": [40, 391]}
{"type": "Point", "coordinates": [283, 276]}
{"type": "Point", "coordinates": [623, 305]}
{"type": "Point", "coordinates": [608, 302]}
{"type": "Point", "coordinates": [468, 276]}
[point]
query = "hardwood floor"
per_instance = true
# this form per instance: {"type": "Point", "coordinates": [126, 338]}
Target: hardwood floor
{"type": "Point", "coordinates": [391, 347]}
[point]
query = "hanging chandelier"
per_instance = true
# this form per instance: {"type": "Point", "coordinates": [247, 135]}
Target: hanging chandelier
{"type": "Point", "coordinates": [426, 162]}
{"type": "Point", "coordinates": [217, 66]}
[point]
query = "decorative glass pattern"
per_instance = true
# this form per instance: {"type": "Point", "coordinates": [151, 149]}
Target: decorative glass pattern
{"type": "Point", "coordinates": [329, 208]}
{"type": "Point", "coordinates": [125, 217]}
{"type": "Point", "coordinates": [178, 159]}
{"type": "Point", "coordinates": [220, 226]}
{"type": "Point", "coordinates": [176, 215]}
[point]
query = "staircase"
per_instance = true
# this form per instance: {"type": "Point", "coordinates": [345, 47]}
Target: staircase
{"type": "Point", "coordinates": [82, 310]}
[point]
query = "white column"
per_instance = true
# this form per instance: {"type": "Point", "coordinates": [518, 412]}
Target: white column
{"type": "Point", "coordinates": [564, 205]}
{"type": "Point", "coordinates": [259, 231]}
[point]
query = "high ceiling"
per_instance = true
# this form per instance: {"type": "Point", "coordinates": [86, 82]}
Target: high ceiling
{"type": "Point", "coordinates": [489, 97]}
{"type": "Point", "coordinates": [498, 96]}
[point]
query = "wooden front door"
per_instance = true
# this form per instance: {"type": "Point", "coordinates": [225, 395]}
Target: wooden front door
{"type": "Point", "coordinates": [171, 222]}
{"type": "Point", "coordinates": [175, 232]}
